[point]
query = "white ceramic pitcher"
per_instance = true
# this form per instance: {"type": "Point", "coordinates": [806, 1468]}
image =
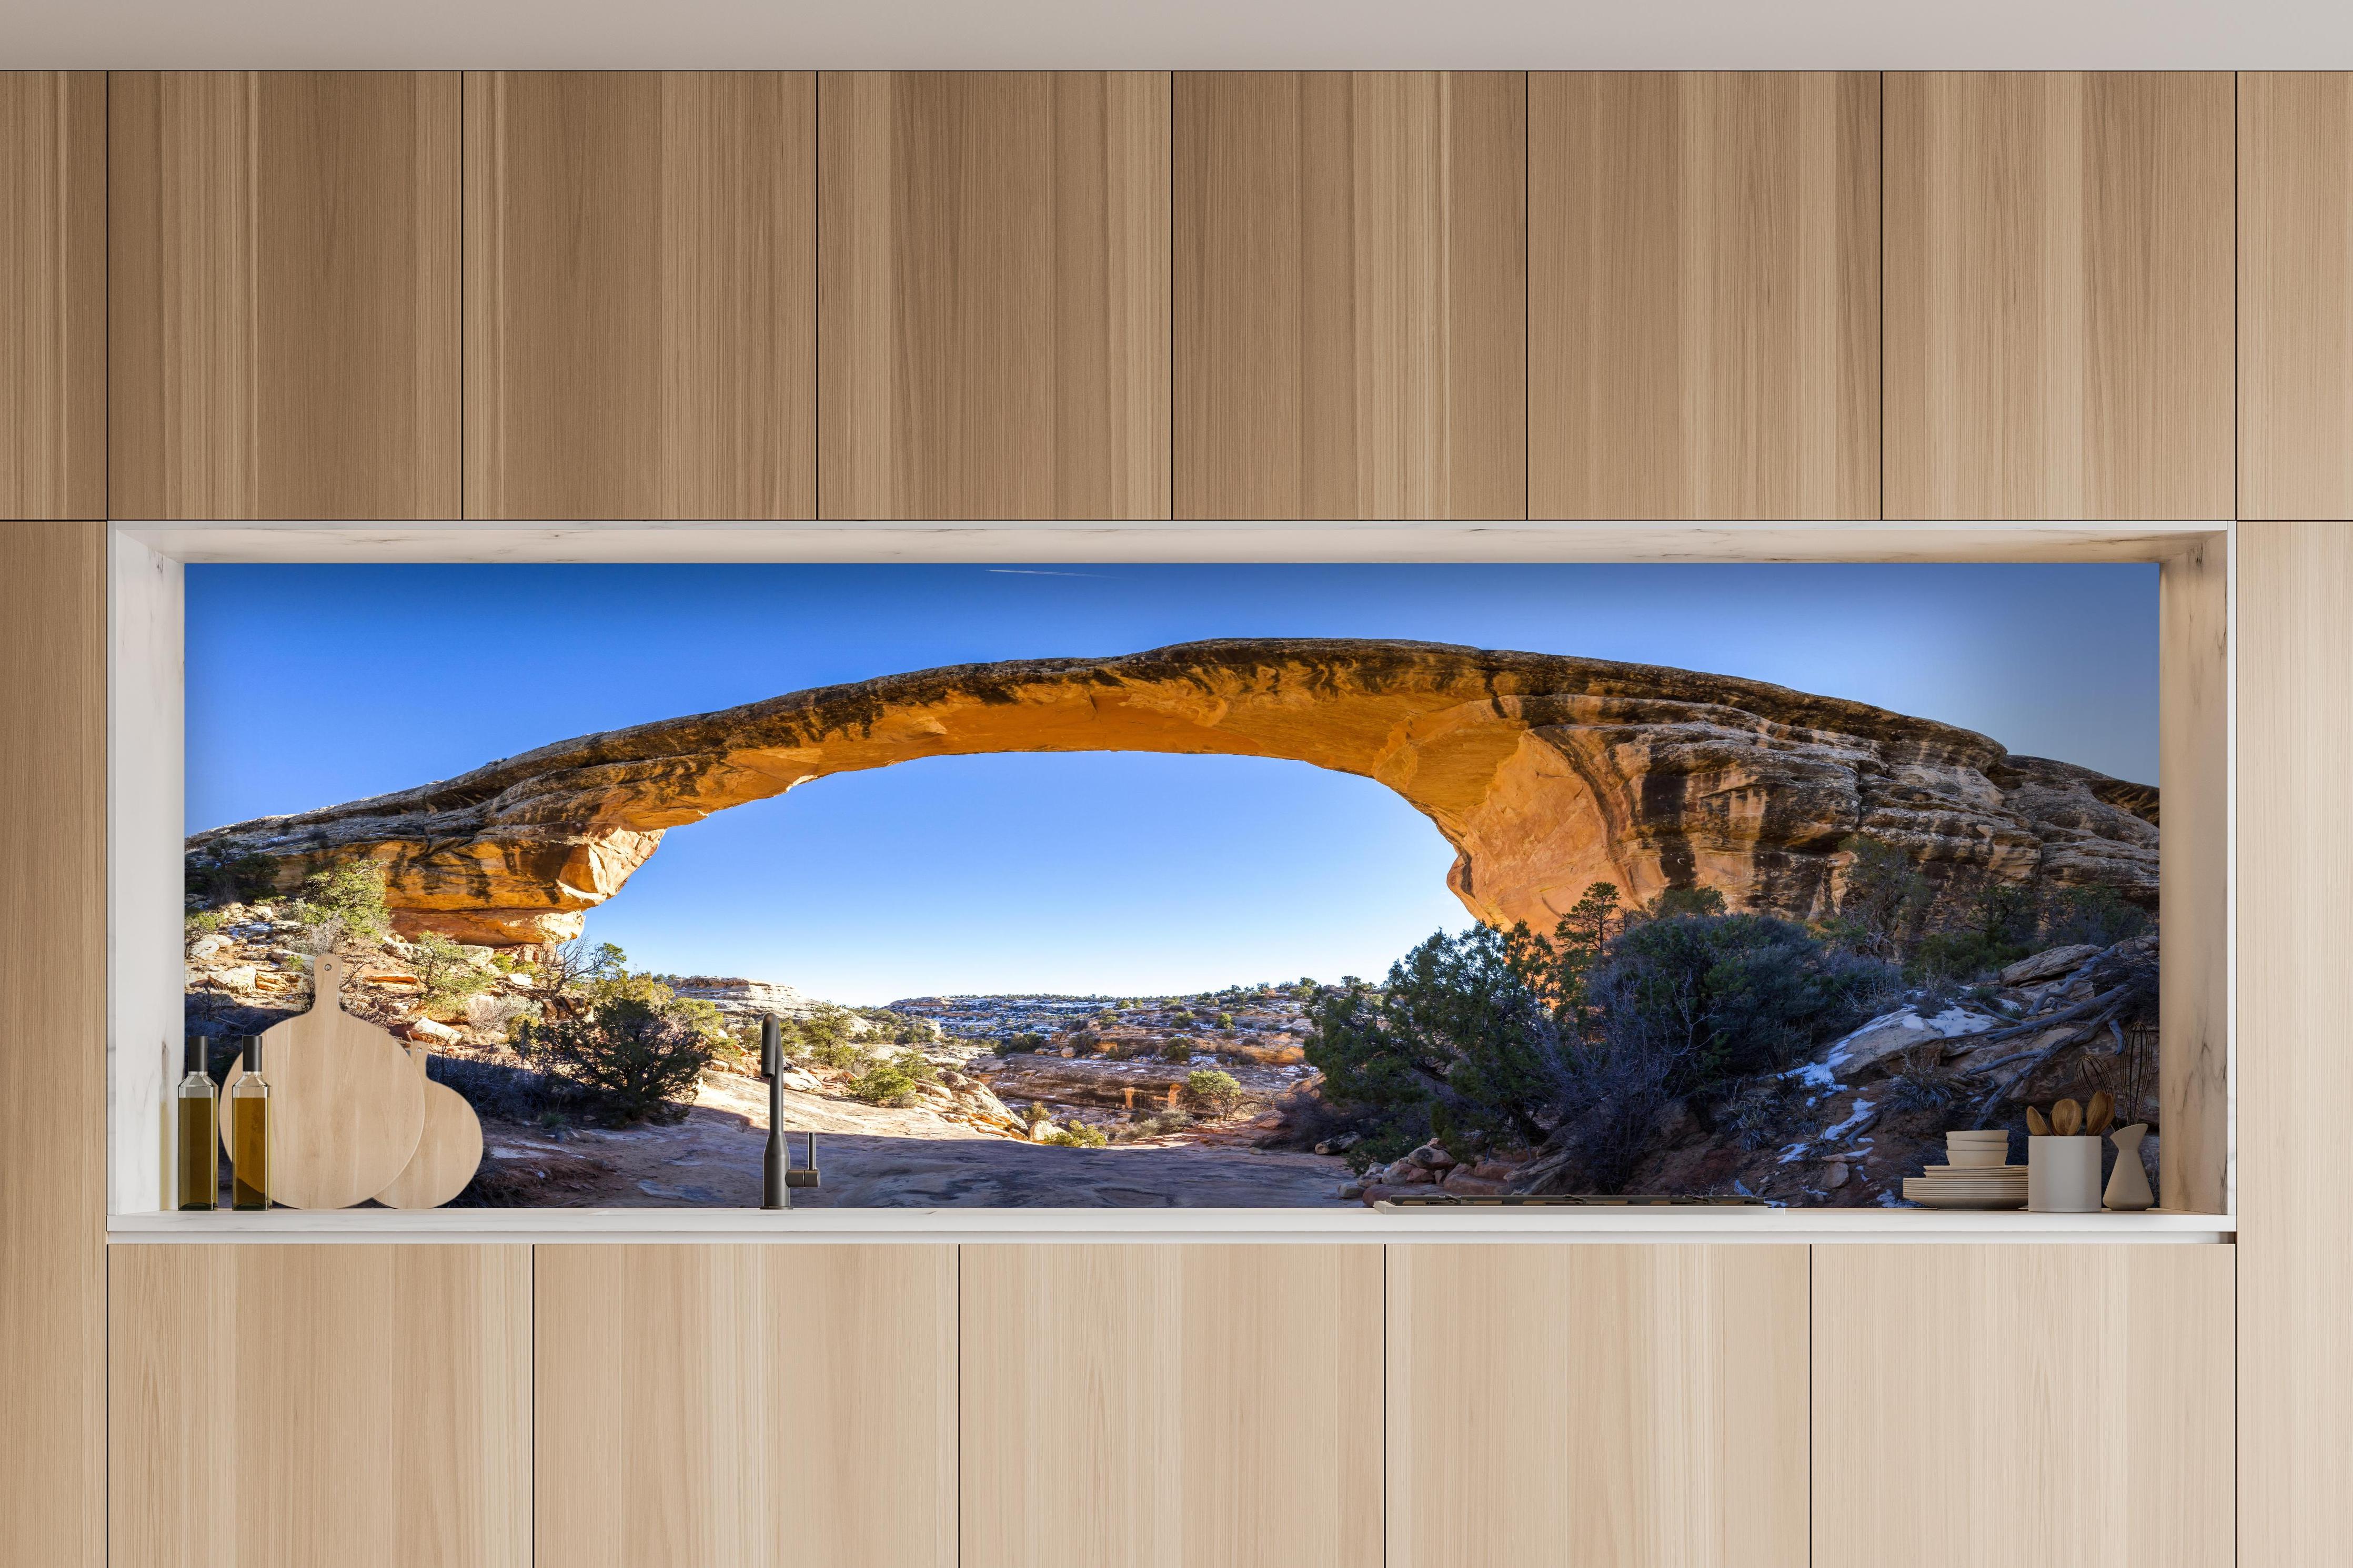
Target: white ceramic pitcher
{"type": "Point", "coordinates": [2128, 1183]}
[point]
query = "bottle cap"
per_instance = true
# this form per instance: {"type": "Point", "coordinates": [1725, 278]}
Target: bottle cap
{"type": "Point", "coordinates": [194, 1052]}
{"type": "Point", "coordinates": [252, 1053]}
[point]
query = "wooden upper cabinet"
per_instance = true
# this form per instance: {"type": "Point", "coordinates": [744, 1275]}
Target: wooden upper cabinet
{"type": "Point", "coordinates": [2295, 294]}
{"type": "Point", "coordinates": [640, 294]}
{"type": "Point", "coordinates": [1642, 1407]}
{"type": "Point", "coordinates": [1351, 304]}
{"type": "Point", "coordinates": [994, 294]}
{"type": "Point", "coordinates": [283, 266]}
{"type": "Point", "coordinates": [749, 1406]}
{"type": "Point", "coordinates": [2032, 1407]}
{"type": "Point", "coordinates": [1171, 1407]}
{"type": "Point", "coordinates": [53, 294]}
{"type": "Point", "coordinates": [2059, 294]}
{"type": "Point", "coordinates": [277, 1405]}
{"type": "Point", "coordinates": [1704, 294]}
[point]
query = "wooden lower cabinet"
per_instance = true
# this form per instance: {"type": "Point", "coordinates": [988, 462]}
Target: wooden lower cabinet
{"type": "Point", "coordinates": [293, 1407]}
{"type": "Point", "coordinates": [1172, 1407]}
{"type": "Point", "coordinates": [723, 1406]}
{"type": "Point", "coordinates": [2029, 1406]}
{"type": "Point", "coordinates": [1618, 1406]}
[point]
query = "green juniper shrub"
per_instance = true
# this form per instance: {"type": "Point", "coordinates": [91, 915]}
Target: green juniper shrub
{"type": "Point", "coordinates": [635, 1050]}
{"type": "Point", "coordinates": [1215, 1093]}
{"type": "Point", "coordinates": [1077, 1135]}
{"type": "Point", "coordinates": [2100, 916]}
{"type": "Point", "coordinates": [889, 1081]}
{"type": "Point", "coordinates": [1883, 901]}
{"type": "Point", "coordinates": [567, 973]}
{"type": "Point", "coordinates": [239, 880]}
{"type": "Point", "coordinates": [446, 975]}
{"type": "Point", "coordinates": [1489, 1037]}
{"type": "Point", "coordinates": [1179, 1048]}
{"type": "Point", "coordinates": [344, 904]}
{"type": "Point", "coordinates": [1674, 902]}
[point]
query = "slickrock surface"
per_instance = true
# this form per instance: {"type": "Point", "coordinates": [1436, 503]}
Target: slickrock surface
{"type": "Point", "coordinates": [1545, 773]}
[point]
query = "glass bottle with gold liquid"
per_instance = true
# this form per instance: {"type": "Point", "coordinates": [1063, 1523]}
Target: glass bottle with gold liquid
{"type": "Point", "coordinates": [200, 1101]}
{"type": "Point", "coordinates": [249, 1125]}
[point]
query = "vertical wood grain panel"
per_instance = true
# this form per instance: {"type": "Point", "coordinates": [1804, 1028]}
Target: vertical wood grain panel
{"type": "Point", "coordinates": [1633, 1405]}
{"type": "Point", "coordinates": [284, 1407]}
{"type": "Point", "coordinates": [53, 1043]}
{"type": "Point", "coordinates": [1704, 294]}
{"type": "Point", "coordinates": [283, 277]}
{"type": "Point", "coordinates": [1172, 1407]}
{"type": "Point", "coordinates": [749, 1405]}
{"type": "Point", "coordinates": [2059, 294]}
{"type": "Point", "coordinates": [2295, 1049]}
{"type": "Point", "coordinates": [994, 294]}
{"type": "Point", "coordinates": [1351, 332]}
{"type": "Point", "coordinates": [2295, 294]}
{"type": "Point", "coordinates": [2193, 880]}
{"type": "Point", "coordinates": [640, 294]}
{"type": "Point", "coordinates": [2035, 1406]}
{"type": "Point", "coordinates": [52, 294]}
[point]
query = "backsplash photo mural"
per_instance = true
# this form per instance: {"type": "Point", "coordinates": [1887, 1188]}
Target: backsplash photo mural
{"type": "Point", "coordinates": [1082, 885]}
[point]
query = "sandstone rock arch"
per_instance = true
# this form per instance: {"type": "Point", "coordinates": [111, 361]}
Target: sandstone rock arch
{"type": "Point", "coordinates": [1545, 773]}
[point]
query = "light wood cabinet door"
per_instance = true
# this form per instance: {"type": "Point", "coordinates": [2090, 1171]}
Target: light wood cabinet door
{"type": "Point", "coordinates": [53, 1031]}
{"type": "Point", "coordinates": [640, 294]}
{"type": "Point", "coordinates": [2059, 310]}
{"type": "Point", "coordinates": [1704, 294]}
{"type": "Point", "coordinates": [2294, 718]}
{"type": "Point", "coordinates": [1172, 1407]}
{"type": "Point", "coordinates": [993, 317]}
{"type": "Point", "coordinates": [53, 294]}
{"type": "Point", "coordinates": [1351, 294]}
{"type": "Point", "coordinates": [1586, 1404]}
{"type": "Point", "coordinates": [283, 310]}
{"type": "Point", "coordinates": [2295, 294]}
{"type": "Point", "coordinates": [281, 1406]}
{"type": "Point", "coordinates": [2029, 1406]}
{"type": "Point", "coordinates": [727, 1406]}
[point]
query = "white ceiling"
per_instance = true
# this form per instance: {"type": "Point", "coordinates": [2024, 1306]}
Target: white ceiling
{"type": "Point", "coordinates": [1183, 34]}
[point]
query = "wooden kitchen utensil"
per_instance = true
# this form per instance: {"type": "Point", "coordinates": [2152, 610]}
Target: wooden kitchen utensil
{"type": "Point", "coordinates": [447, 1154]}
{"type": "Point", "coordinates": [2035, 1124]}
{"type": "Point", "coordinates": [2100, 1114]}
{"type": "Point", "coordinates": [347, 1107]}
{"type": "Point", "coordinates": [2066, 1119]}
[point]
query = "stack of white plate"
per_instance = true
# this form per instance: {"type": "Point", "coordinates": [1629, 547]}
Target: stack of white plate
{"type": "Point", "coordinates": [1977, 1178]}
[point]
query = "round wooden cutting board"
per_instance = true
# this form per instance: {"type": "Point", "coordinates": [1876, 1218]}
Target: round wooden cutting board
{"type": "Point", "coordinates": [346, 1105]}
{"type": "Point", "coordinates": [447, 1157]}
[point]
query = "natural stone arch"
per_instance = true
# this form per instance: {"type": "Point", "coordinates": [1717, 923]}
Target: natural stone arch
{"type": "Point", "coordinates": [1545, 773]}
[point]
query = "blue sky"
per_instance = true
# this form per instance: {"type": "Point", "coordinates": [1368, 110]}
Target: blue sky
{"type": "Point", "coordinates": [1102, 872]}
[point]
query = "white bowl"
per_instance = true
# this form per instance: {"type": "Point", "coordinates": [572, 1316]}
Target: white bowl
{"type": "Point", "coordinates": [1990, 1135]}
{"type": "Point", "coordinates": [1980, 1157]}
{"type": "Point", "coordinates": [1959, 1173]}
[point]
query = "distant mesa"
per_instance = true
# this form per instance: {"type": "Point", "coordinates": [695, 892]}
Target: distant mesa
{"type": "Point", "coordinates": [1545, 773]}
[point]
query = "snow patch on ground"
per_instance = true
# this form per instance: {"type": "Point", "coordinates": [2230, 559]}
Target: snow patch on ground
{"type": "Point", "coordinates": [1855, 1118]}
{"type": "Point", "coordinates": [1816, 1075]}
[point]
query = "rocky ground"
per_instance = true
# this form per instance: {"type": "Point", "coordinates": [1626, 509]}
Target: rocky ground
{"type": "Point", "coordinates": [1017, 1077]}
{"type": "Point", "coordinates": [1024, 1080]}
{"type": "Point", "coordinates": [1845, 1127]}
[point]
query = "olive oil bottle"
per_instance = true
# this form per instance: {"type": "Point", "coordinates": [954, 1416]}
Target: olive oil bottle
{"type": "Point", "coordinates": [249, 1113]}
{"type": "Point", "coordinates": [199, 1100]}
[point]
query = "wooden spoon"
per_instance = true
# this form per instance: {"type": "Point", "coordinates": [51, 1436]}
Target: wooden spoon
{"type": "Point", "coordinates": [2035, 1124]}
{"type": "Point", "coordinates": [2101, 1114]}
{"type": "Point", "coordinates": [2066, 1119]}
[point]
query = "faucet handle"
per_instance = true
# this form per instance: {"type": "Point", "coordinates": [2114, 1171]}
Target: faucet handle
{"type": "Point", "coordinates": [801, 1177]}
